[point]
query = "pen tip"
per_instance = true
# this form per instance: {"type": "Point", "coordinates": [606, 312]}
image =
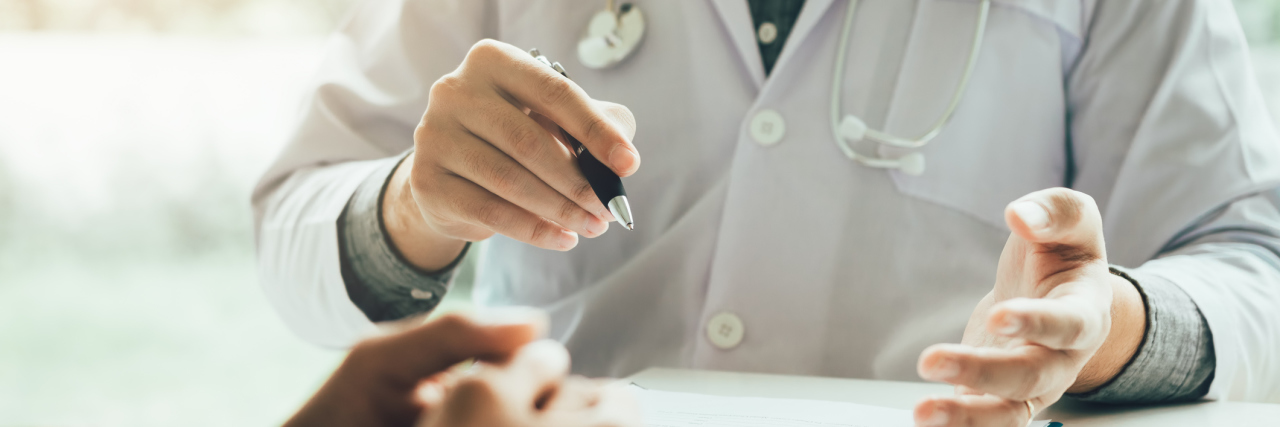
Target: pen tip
{"type": "Point", "coordinates": [621, 211]}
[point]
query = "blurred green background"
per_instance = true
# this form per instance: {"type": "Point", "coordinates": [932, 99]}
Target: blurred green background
{"type": "Point", "coordinates": [131, 132]}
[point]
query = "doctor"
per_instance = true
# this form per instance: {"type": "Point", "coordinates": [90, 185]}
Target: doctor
{"type": "Point", "coordinates": [775, 233]}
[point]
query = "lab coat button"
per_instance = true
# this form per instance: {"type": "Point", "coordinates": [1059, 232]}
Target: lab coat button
{"type": "Point", "coordinates": [725, 330]}
{"type": "Point", "coordinates": [767, 127]}
{"type": "Point", "coordinates": [767, 33]}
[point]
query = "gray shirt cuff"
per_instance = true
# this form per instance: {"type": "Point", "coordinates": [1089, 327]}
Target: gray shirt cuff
{"type": "Point", "coordinates": [379, 280]}
{"type": "Point", "coordinates": [1175, 361]}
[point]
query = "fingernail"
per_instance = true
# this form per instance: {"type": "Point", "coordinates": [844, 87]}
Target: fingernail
{"type": "Point", "coordinates": [945, 369]}
{"type": "Point", "coordinates": [938, 419]}
{"type": "Point", "coordinates": [606, 215]}
{"type": "Point", "coordinates": [1012, 324]}
{"type": "Point", "coordinates": [566, 240]}
{"type": "Point", "coordinates": [1032, 214]}
{"type": "Point", "coordinates": [623, 159]}
{"type": "Point", "coordinates": [595, 226]}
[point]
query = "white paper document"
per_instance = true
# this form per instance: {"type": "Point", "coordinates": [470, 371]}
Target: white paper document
{"type": "Point", "coordinates": [671, 409]}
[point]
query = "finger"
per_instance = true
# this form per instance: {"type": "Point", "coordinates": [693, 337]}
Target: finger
{"type": "Point", "coordinates": [552, 128]}
{"type": "Point", "coordinates": [528, 142]}
{"type": "Point", "coordinates": [452, 338]}
{"type": "Point", "coordinates": [578, 192]}
{"type": "Point", "coordinates": [971, 411]}
{"type": "Point", "coordinates": [615, 406]}
{"type": "Point", "coordinates": [1065, 322]}
{"type": "Point", "coordinates": [495, 171]}
{"type": "Point", "coordinates": [533, 375]}
{"type": "Point", "coordinates": [620, 114]}
{"type": "Point", "coordinates": [1017, 373]}
{"type": "Point", "coordinates": [462, 200]}
{"type": "Point", "coordinates": [542, 89]}
{"type": "Point", "coordinates": [622, 117]}
{"type": "Point", "coordinates": [575, 394]}
{"type": "Point", "coordinates": [430, 395]}
{"type": "Point", "coordinates": [1066, 219]}
{"type": "Point", "coordinates": [432, 391]}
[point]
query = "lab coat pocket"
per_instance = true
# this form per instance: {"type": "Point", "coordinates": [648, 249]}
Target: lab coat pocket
{"type": "Point", "coordinates": [1007, 136]}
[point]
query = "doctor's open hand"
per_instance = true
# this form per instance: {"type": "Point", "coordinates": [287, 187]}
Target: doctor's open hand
{"type": "Point", "coordinates": [489, 158]}
{"type": "Point", "coordinates": [1057, 320]}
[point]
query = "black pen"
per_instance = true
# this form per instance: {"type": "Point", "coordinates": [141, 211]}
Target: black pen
{"type": "Point", "coordinates": [604, 182]}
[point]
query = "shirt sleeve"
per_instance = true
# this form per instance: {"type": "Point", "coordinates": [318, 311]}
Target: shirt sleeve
{"type": "Point", "coordinates": [1167, 128]}
{"type": "Point", "coordinates": [1175, 360]}
{"type": "Point", "coordinates": [367, 97]}
{"type": "Point", "coordinates": [379, 280]}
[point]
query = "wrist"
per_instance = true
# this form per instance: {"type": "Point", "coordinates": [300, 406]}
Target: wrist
{"type": "Point", "coordinates": [1128, 326]}
{"type": "Point", "coordinates": [408, 230]}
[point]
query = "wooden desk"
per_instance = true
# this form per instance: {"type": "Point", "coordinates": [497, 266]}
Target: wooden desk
{"type": "Point", "coordinates": [903, 395]}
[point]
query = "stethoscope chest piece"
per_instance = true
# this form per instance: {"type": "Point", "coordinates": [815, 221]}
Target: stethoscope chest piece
{"type": "Point", "coordinates": [611, 36]}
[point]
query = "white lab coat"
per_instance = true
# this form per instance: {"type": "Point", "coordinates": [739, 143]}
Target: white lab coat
{"type": "Point", "coordinates": [833, 268]}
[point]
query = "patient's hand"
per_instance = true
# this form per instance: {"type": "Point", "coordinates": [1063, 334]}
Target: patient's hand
{"type": "Point", "coordinates": [405, 378]}
{"type": "Point", "coordinates": [531, 390]}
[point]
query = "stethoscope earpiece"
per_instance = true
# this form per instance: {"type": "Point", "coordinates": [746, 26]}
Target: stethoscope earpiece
{"type": "Point", "coordinates": [611, 36]}
{"type": "Point", "coordinates": [850, 129]}
{"type": "Point", "coordinates": [853, 130]}
{"type": "Point", "coordinates": [912, 163]}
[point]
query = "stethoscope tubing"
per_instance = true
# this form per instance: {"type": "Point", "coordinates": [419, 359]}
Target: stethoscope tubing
{"type": "Point", "coordinates": [884, 137]}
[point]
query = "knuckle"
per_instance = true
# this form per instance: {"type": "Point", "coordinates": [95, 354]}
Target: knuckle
{"type": "Point", "coordinates": [421, 133]}
{"type": "Point", "coordinates": [504, 177]}
{"type": "Point", "coordinates": [541, 231]}
{"type": "Point", "coordinates": [582, 191]}
{"type": "Point", "coordinates": [427, 137]}
{"type": "Point", "coordinates": [1065, 205]}
{"type": "Point", "coordinates": [556, 90]}
{"type": "Point", "coordinates": [485, 49]}
{"type": "Point", "coordinates": [597, 129]}
{"type": "Point", "coordinates": [473, 159]}
{"type": "Point", "coordinates": [1083, 199]}
{"type": "Point", "coordinates": [624, 113]}
{"type": "Point", "coordinates": [445, 88]}
{"type": "Point", "coordinates": [568, 210]}
{"type": "Point", "coordinates": [624, 116]}
{"type": "Point", "coordinates": [523, 139]}
{"type": "Point", "coordinates": [490, 214]}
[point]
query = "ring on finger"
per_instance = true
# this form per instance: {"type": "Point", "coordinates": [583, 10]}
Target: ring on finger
{"type": "Point", "coordinates": [1031, 409]}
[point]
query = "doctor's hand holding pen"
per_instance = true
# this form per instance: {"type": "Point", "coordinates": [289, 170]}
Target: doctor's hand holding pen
{"type": "Point", "coordinates": [1057, 321]}
{"type": "Point", "coordinates": [405, 379]}
{"type": "Point", "coordinates": [489, 157]}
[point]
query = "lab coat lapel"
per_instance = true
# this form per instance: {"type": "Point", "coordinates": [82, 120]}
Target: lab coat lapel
{"type": "Point", "coordinates": [809, 17]}
{"type": "Point", "coordinates": [736, 17]}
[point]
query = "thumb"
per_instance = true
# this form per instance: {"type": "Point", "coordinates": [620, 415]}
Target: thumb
{"type": "Point", "coordinates": [492, 334]}
{"type": "Point", "coordinates": [1061, 218]}
{"type": "Point", "coordinates": [622, 118]}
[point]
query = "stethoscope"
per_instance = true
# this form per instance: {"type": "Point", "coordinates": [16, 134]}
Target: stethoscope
{"type": "Point", "coordinates": [614, 34]}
